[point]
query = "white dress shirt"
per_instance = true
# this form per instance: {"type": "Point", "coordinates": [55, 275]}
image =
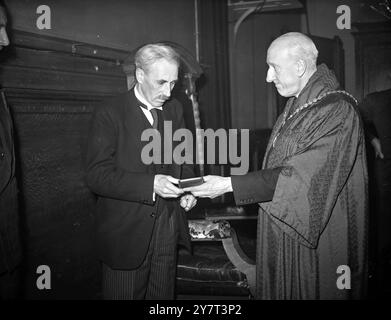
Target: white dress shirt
{"type": "Point", "coordinates": [147, 112]}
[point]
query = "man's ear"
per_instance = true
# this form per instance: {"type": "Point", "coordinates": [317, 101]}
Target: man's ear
{"type": "Point", "coordinates": [130, 81]}
{"type": "Point", "coordinates": [301, 67]}
{"type": "Point", "coordinates": [140, 75]}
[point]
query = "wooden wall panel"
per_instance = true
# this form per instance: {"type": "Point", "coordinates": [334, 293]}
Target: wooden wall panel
{"type": "Point", "coordinates": [58, 207]}
{"type": "Point", "coordinates": [121, 24]}
{"type": "Point", "coordinates": [373, 63]}
{"type": "Point", "coordinates": [52, 92]}
{"type": "Point", "coordinates": [252, 99]}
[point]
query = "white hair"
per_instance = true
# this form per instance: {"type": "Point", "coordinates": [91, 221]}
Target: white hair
{"type": "Point", "coordinates": [151, 53]}
{"type": "Point", "coordinates": [299, 46]}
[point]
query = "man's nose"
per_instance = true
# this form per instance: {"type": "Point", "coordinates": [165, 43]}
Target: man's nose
{"type": "Point", "coordinates": [167, 90]}
{"type": "Point", "coordinates": [270, 75]}
{"type": "Point", "coordinates": [4, 41]}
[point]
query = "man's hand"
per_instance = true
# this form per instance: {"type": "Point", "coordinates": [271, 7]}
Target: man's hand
{"type": "Point", "coordinates": [188, 201]}
{"type": "Point", "coordinates": [213, 187]}
{"type": "Point", "coordinates": [164, 186]}
{"type": "Point", "coordinates": [375, 142]}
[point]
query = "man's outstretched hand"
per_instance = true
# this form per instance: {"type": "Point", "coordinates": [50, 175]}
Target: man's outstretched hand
{"type": "Point", "coordinates": [377, 147]}
{"type": "Point", "coordinates": [213, 187]}
{"type": "Point", "coordinates": [165, 187]}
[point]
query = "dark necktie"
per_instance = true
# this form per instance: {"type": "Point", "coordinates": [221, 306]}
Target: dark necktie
{"type": "Point", "coordinates": [155, 115]}
{"type": "Point", "coordinates": [158, 124]}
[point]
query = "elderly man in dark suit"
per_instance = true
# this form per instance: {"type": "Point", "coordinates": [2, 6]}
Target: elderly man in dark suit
{"type": "Point", "coordinates": [10, 249]}
{"type": "Point", "coordinates": [139, 218]}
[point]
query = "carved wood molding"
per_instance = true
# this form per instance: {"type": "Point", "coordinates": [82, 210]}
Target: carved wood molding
{"type": "Point", "coordinates": [42, 68]}
{"type": "Point", "coordinates": [371, 39]}
{"type": "Point", "coordinates": [24, 39]}
{"type": "Point", "coordinates": [52, 101]}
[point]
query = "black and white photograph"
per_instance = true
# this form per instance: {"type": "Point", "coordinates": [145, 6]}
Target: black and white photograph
{"type": "Point", "coordinates": [173, 151]}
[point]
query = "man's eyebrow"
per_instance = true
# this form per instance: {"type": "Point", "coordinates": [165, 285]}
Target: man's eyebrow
{"type": "Point", "coordinates": [162, 80]}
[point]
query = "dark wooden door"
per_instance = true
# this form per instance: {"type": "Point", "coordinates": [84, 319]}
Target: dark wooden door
{"type": "Point", "coordinates": [373, 52]}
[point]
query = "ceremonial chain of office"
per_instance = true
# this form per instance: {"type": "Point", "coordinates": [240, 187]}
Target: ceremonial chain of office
{"type": "Point", "coordinates": [308, 104]}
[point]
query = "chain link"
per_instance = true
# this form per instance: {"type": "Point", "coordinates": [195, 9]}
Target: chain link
{"type": "Point", "coordinates": [308, 104]}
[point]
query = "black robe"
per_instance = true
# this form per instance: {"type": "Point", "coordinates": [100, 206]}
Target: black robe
{"type": "Point", "coordinates": [316, 221]}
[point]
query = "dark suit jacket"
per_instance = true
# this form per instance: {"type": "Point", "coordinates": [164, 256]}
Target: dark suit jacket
{"type": "Point", "coordinates": [10, 248]}
{"type": "Point", "coordinates": [126, 212]}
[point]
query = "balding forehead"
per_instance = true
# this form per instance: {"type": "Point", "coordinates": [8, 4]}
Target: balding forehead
{"type": "Point", "coordinates": [297, 45]}
{"type": "Point", "coordinates": [283, 43]}
{"type": "Point", "coordinates": [277, 49]}
{"type": "Point", "coordinates": [292, 40]}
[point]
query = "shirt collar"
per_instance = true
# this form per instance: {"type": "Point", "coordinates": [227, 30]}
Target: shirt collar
{"type": "Point", "coordinates": [143, 100]}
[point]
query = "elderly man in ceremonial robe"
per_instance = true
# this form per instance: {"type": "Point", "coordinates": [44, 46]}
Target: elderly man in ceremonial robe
{"type": "Point", "coordinates": [312, 189]}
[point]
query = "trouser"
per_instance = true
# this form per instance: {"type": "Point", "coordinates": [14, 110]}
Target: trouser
{"type": "Point", "coordinates": [155, 278]}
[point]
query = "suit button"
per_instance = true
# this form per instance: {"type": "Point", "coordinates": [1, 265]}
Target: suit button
{"type": "Point", "coordinates": [153, 214]}
{"type": "Point", "coordinates": [2, 155]}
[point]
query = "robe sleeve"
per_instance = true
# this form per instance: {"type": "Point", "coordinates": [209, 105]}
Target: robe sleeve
{"type": "Point", "coordinates": [309, 184]}
{"type": "Point", "coordinates": [255, 187]}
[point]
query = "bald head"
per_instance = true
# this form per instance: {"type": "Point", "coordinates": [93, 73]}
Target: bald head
{"type": "Point", "coordinates": [298, 46]}
{"type": "Point", "coordinates": [292, 61]}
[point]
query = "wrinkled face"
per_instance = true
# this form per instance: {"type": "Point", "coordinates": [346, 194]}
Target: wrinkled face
{"type": "Point", "coordinates": [283, 71]}
{"type": "Point", "coordinates": [157, 82]}
{"type": "Point", "coordinates": [4, 41]}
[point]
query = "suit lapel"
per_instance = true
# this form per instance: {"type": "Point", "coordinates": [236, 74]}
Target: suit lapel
{"type": "Point", "coordinates": [137, 122]}
{"type": "Point", "coordinates": [168, 115]}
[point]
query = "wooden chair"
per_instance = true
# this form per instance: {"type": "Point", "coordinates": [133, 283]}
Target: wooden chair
{"type": "Point", "coordinates": [219, 264]}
